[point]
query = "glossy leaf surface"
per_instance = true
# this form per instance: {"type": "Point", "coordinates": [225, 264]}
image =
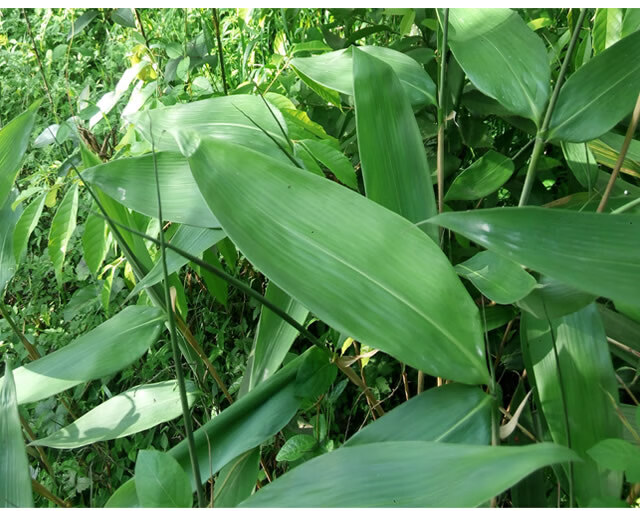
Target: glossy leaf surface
{"type": "Point", "coordinates": [407, 474]}
{"type": "Point", "coordinates": [502, 57]}
{"type": "Point", "coordinates": [586, 382]}
{"type": "Point", "coordinates": [132, 182]}
{"type": "Point", "coordinates": [481, 178]}
{"type": "Point", "coordinates": [595, 253]}
{"type": "Point", "coordinates": [452, 413]}
{"type": "Point", "coordinates": [335, 71]}
{"type": "Point", "coordinates": [394, 163]}
{"type": "Point", "coordinates": [599, 94]}
{"type": "Point", "coordinates": [110, 347]}
{"type": "Point", "coordinates": [15, 476]}
{"type": "Point", "coordinates": [552, 298]}
{"type": "Point", "coordinates": [300, 229]}
{"type": "Point", "coordinates": [136, 409]}
{"type": "Point", "coordinates": [497, 277]}
{"type": "Point", "coordinates": [161, 482]}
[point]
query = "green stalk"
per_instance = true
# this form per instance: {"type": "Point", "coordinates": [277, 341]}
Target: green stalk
{"type": "Point", "coordinates": [31, 349]}
{"type": "Point", "coordinates": [216, 24]}
{"type": "Point", "coordinates": [626, 207]}
{"type": "Point", "coordinates": [442, 122]}
{"type": "Point", "coordinates": [542, 131]}
{"type": "Point", "coordinates": [177, 359]}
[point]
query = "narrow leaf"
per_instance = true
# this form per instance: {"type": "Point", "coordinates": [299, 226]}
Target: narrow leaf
{"type": "Point", "coordinates": [607, 28]}
{"type": "Point", "coordinates": [582, 163]}
{"type": "Point", "coordinates": [8, 220]}
{"type": "Point", "coordinates": [95, 241]}
{"type": "Point", "coordinates": [62, 227]}
{"type": "Point", "coordinates": [334, 160]}
{"type": "Point", "coordinates": [481, 178]}
{"type": "Point", "coordinates": [25, 226]}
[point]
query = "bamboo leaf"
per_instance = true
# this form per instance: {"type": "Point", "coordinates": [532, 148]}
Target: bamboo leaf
{"type": "Point", "coordinates": [502, 57]}
{"type": "Point", "coordinates": [607, 28]}
{"type": "Point", "coordinates": [394, 164]}
{"type": "Point", "coordinates": [25, 226]}
{"type": "Point", "coordinates": [553, 299]}
{"type": "Point", "coordinates": [334, 70]}
{"type": "Point", "coordinates": [599, 94]}
{"type": "Point", "coordinates": [595, 253]}
{"type": "Point", "coordinates": [237, 479]}
{"type": "Point", "coordinates": [160, 481]}
{"type": "Point", "coordinates": [15, 477]}
{"type": "Point", "coordinates": [110, 347]}
{"type": "Point", "coordinates": [14, 138]}
{"type": "Point", "coordinates": [8, 219]}
{"type": "Point", "coordinates": [128, 180]}
{"type": "Point", "coordinates": [62, 227]}
{"type": "Point", "coordinates": [334, 160]}
{"type": "Point", "coordinates": [452, 413]}
{"type": "Point", "coordinates": [496, 277]}
{"type": "Point", "coordinates": [481, 178]}
{"type": "Point", "coordinates": [299, 228]}
{"type": "Point", "coordinates": [95, 241]}
{"type": "Point", "coordinates": [582, 383]}
{"type": "Point", "coordinates": [582, 163]}
{"type": "Point", "coordinates": [405, 474]}
{"type": "Point", "coordinates": [136, 409]}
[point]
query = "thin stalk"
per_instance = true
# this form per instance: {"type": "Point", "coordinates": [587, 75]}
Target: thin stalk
{"type": "Point", "coordinates": [31, 349]}
{"type": "Point", "coordinates": [542, 132]}
{"type": "Point", "coordinates": [186, 413]}
{"type": "Point", "coordinates": [626, 207]}
{"type": "Point", "coordinates": [40, 66]}
{"type": "Point", "coordinates": [216, 24]}
{"type": "Point", "coordinates": [442, 121]}
{"type": "Point", "coordinates": [623, 152]}
{"type": "Point", "coordinates": [238, 284]}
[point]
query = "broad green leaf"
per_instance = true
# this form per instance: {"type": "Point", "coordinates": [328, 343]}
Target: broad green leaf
{"type": "Point", "coordinates": [15, 476]}
{"type": "Point", "coordinates": [8, 220]}
{"type": "Point", "coordinates": [237, 480]}
{"type": "Point", "coordinates": [14, 138]}
{"type": "Point", "coordinates": [582, 163]}
{"type": "Point", "coordinates": [132, 182]}
{"type": "Point", "coordinates": [631, 22]}
{"type": "Point", "coordinates": [160, 481]}
{"type": "Point", "coordinates": [95, 241]}
{"type": "Point", "coordinates": [407, 474]}
{"type": "Point", "coordinates": [552, 298]}
{"type": "Point", "coordinates": [582, 383]}
{"type": "Point", "coordinates": [136, 409]}
{"type": "Point", "coordinates": [194, 240]}
{"type": "Point", "coordinates": [326, 93]}
{"type": "Point", "coordinates": [334, 160]}
{"type": "Point", "coordinates": [607, 150]}
{"type": "Point", "coordinates": [82, 22]}
{"type": "Point", "coordinates": [296, 447]}
{"type": "Point", "coordinates": [314, 376]}
{"type": "Point", "coordinates": [599, 94]}
{"type": "Point", "coordinates": [125, 496]}
{"type": "Point", "coordinates": [621, 331]}
{"type": "Point", "coordinates": [62, 227]}
{"type": "Point", "coordinates": [452, 413]}
{"type": "Point", "coordinates": [25, 226]}
{"type": "Point", "coordinates": [617, 454]}
{"type": "Point", "coordinates": [503, 58]}
{"type": "Point", "coordinates": [308, 161]}
{"type": "Point", "coordinates": [274, 336]}
{"type": "Point", "coordinates": [595, 253]}
{"type": "Point", "coordinates": [496, 316]}
{"type": "Point", "coordinates": [299, 124]}
{"type": "Point", "coordinates": [124, 17]}
{"type": "Point", "coordinates": [497, 277]}
{"type": "Point", "coordinates": [222, 118]}
{"type": "Point", "coordinates": [607, 28]}
{"type": "Point", "coordinates": [394, 164]}
{"type": "Point", "coordinates": [110, 347]}
{"type": "Point", "coordinates": [217, 287]}
{"type": "Point", "coordinates": [335, 71]}
{"type": "Point", "coordinates": [315, 240]}
{"type": "Point", "coordinates": [481, 178]}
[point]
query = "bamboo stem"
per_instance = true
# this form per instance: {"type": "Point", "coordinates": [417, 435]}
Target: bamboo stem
{"type": "Point", "coordinates": [542, 132]}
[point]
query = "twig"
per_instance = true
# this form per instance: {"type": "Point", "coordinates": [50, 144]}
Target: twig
{"type": "Point", "coordinates": [31, 349]}
{"type": "Point", "coordinates": [623, 152]}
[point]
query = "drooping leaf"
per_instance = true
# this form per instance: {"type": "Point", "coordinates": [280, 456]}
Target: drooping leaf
{"type": "Point", "coordinates": [82, 22]}
{"type": "Point", "coordinates": [481, 178]}
{"type": "Point", "coordinates": [160, 481]}
{"type": "Point", "coordinates": [25, 226]}
{"type": "Point", "coordinates": [95, 241]}
{"type": "Point", "coordinates": [552, 298]}
{"type": "Point", "coordinates": [298, 228]}
{"type": "Point", "coordinates": [619, 455]}
{"type": "Point", "coordinates": [582, 383]}
{"type": "Point", "coordinates": [110, 347]}
{"type": "Point", "coordinates": [607, 150]}
{"type": "Point", "coordinates": [334, 160]}
{"type": "Point", "coordinates": [497, 277]}
{"type": "Point", "coordinates": [15, 477]}
{"type": "Point", "coordinates": [14, 138]}
{"type": "Point", "coordinates": [394, 164]}
{"type": "Point", "coordinates": [599, 94]}
{"type": "Point", "coordinates": [62, 227]}
{"type": "Point", "coordinates": [595, 253]}
{"type": "Point", "coordinates": [132, 182]}
{"type": "Point", "coordinates": [194, 240]}
{"type": "Point", "coordinates": [582, 163]}
{"type": "Point", "coordinates": [222, 118]}
{"type": "Point", "coordinates": [136, 409]}
{"type": "Point", "coordinates": [237, 480]}
{"type": "Point", "coordinates": [607, 28]}
{"type": "Point", "coordinates": [335, 71]}
{"type": "Point", "coordinates": [217, 287]}
{"type": "Point", "coordinates": [407, 474]}
{"type": "Point", "coordinates": [8, 220]}
{"type": "Point", "coordinates": [452, 413]}
{"type": "Point", "coordinates": [502, 57]}
{"type": "Point", "coordinates": [296, 447]}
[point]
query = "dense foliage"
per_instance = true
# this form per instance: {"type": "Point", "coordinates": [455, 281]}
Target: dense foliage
{"type": "Point", "coordinates": [319, 257]}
